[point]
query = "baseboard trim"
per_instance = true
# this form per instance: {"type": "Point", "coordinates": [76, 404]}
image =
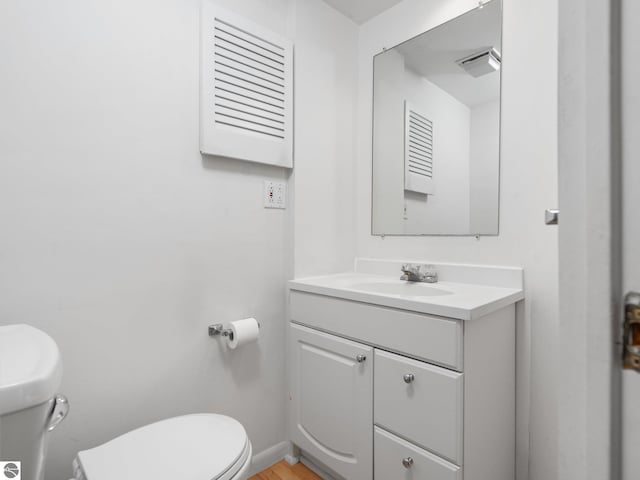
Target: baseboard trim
{"type": "Point", "coordinates": [268, 457]}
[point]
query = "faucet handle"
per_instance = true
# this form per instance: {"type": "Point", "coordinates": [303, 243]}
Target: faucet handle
{"type": "Point", "coordinates": [411, 267]}
{"type": "Point", "coordinates": [407, 272]}
{"type": "Point", "coordinates": [430, 274]}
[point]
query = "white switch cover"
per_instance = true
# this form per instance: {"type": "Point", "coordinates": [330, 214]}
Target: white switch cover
{"type": "Point", "coordinates": [275, 194]}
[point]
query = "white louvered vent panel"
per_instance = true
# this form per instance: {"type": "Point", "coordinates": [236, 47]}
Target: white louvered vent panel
{"type": "Point", "coordinates": [249, 81]}
{"type": "Point", "coordinates": [418, 151]}
{"type": "Point", "coordinates": [246, 90]}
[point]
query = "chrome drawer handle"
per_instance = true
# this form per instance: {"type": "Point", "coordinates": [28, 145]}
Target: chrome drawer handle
{"type": "Point", "coordinates": [407, 462]}
{"type": "Point", "coordinates": [409, 378]}
{"type": "Point", "coordinates": [361, 358]}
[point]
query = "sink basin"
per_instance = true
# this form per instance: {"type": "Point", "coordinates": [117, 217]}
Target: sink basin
{"type": "Point", "coordinates": [404, 289]}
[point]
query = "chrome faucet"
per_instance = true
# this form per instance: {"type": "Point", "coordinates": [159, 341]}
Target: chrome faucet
{"type": "Point", "coordinates": [418, 272]}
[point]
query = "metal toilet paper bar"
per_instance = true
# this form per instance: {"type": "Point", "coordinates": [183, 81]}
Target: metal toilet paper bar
{"type": "Point", "coordinates": [218, 329]}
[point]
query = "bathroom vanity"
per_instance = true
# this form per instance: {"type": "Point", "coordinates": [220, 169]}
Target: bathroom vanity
{"type": "Point", "coordinates": [392, 379]}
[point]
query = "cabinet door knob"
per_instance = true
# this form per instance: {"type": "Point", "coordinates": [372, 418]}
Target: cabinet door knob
{"type": "Point", "coordinates": [407, 462]}
{"type": "Point", "coordinates": [361, 358]}
{"type": "Point", "coordinates": [409, 378]}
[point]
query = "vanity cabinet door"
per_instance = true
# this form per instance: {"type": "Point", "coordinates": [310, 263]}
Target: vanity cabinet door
{"type": "Point", "coordinates": [331, 400]}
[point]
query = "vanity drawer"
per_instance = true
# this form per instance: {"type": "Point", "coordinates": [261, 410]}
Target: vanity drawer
{"type": "Point", "coordinates": [398, 459]}
{"type": "Point", "coordinates": [419, 402]}
{"type": "Point", "coordinates": [435, 339]}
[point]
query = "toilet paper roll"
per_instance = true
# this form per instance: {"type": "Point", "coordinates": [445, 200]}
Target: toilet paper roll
{"type": "Point", "coordinates": [243, 332]}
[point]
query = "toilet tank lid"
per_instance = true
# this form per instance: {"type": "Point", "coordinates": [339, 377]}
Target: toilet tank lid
{"type": "Point", "coordinates": [30, 367]}
{"type": "Point", "coordinates": [190, 447]}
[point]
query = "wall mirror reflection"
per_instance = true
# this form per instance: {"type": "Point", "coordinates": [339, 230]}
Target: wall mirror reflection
{"type": "Point", "coordinates": [436, 129]}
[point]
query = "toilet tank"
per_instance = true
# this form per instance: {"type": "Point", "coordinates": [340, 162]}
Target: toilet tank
{"type": "Point", "coordinates": [30, 375]}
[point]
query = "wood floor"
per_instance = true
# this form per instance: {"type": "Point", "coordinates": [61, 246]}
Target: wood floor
{"type": "Point", "coordinates": [284, 471]}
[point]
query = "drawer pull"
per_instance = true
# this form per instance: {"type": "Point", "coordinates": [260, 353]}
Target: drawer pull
{"type": "Point", "coordinates": [409, 378]}
{"type": "Point", "coordinates": [407, 462]}
{"type": "Point", "coordinates": [361, 358]}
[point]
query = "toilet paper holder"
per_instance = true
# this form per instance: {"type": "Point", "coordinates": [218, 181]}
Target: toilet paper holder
{"type": "Point", "coordinates": [218, 329]}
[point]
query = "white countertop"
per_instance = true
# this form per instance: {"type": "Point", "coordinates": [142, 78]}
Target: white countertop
{"type": "Point", "coordinates": [463, 301]}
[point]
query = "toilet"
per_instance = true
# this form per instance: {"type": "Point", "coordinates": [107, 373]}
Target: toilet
{"type": "Point", "coordinates": [190, 447]}
{"type": "Point", "coordinates": [30, 408]}
{"type": "Point", "coordinates": [201, 446]}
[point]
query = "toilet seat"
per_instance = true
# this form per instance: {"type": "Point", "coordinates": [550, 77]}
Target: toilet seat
{"type": "Point", "coordinates": [190, 447]}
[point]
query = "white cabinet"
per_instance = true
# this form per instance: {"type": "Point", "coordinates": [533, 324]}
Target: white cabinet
{"type": "Point", "coordinates": [332, 401]}
{"type": "Point", "coordinates": [439, 391]}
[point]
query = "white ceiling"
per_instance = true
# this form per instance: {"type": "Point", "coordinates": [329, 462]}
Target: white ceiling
{"type": "Point", "coordinates": [433, 54]}
{"type": "Point", "coordinates": [361, 10]}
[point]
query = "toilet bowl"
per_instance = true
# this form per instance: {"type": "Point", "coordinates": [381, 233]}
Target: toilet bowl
{"type": "Point", "coordinates": [190, 447]}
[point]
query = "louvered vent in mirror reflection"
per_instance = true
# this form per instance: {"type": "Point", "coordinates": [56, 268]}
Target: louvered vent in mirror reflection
{"type": "Point", "coordinates": [418, 151]}
{"type": "Point", "coordinates": [246, 90]}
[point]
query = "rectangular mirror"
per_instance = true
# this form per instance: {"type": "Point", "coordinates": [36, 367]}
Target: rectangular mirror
{"type": "Point", "coordinates": [436, 129]}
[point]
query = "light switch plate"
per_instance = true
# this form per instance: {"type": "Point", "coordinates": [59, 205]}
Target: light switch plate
{"type": "Point", "coordinates": [275, 194]}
